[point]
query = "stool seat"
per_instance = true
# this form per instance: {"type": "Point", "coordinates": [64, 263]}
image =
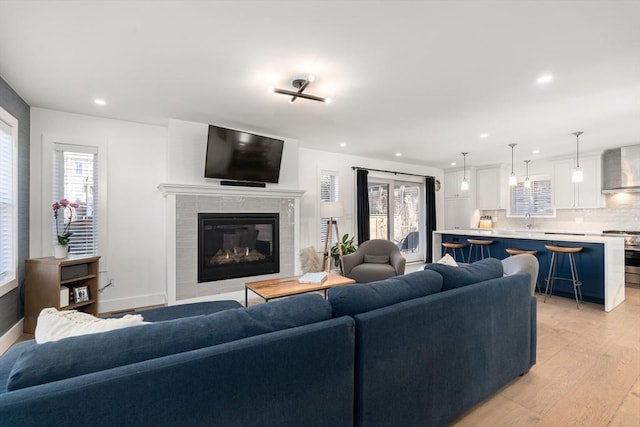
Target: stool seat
{"type": "Point", "coordinates": [562, 249]}
{"type": "Point", "coordinates": [453, 245]}
{"type": "Point", "coordinates": [480, 242]}
{"type": "Point", "coordinates": [514, 251]}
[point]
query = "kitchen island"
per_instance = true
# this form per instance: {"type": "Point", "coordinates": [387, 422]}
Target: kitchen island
{"type": "Point", "coordinates": [600, 265]}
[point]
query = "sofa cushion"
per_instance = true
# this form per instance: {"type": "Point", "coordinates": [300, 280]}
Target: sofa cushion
{"type": "Point", "coordinates": [376, 259]}
{"type": "Point", "coordinates": [361, 297]}
{"type": "Point", "coordinates": [9, 358]}
{"type": "Point", "coordinates": [463, 275]}
{"type": "Point", "coordinates": [80, 355]}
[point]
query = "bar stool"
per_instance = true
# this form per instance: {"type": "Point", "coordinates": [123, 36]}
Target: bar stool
{"type": "Point", "coordinates": [556, 251]}
{"type": "Point", "coordinates": [515, 251]}
{"type": "Point", "coordinates": [454, 247]}
{"type": "Point", "coordinates": [484, 243]}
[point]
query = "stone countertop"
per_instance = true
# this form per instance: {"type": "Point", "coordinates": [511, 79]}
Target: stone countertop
{"type": "Point", "coordinates": [537, 235]}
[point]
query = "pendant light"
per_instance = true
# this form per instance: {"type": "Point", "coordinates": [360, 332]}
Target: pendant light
{"type": "Point", "coordinates": [577, 175]}
{"type": "Point", "coordinates": [513, 179]}
{"type": "Point", "coordinates": [465, 184]}
{"type": "Point", "coordinates": [527, 181]}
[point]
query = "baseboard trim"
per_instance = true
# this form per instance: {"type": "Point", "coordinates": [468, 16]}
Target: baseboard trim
{"type": "Point", "coordinates": [124, 304]}
{"type": "Point", "coordinates": [11, 336]}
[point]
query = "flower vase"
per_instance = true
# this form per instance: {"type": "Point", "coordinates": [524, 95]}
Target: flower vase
{"type": "Point", "coordinates": [60, 251]}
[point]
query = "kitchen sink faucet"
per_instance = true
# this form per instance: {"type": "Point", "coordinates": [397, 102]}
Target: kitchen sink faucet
{"type": "Point", "coordinates": [528, 220]}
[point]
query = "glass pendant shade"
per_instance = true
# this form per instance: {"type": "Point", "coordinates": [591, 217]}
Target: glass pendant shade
{"type": "Point", "coordinates": [577, 175]}
{"type": "Point", "coordinates": [465, 184]}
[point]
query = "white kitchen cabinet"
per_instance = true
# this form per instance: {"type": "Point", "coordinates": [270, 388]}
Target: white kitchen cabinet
{"type": "Point", "coordinates": [490, 187]}
{"type": "Point", "coordinates": [457, 213]}
{"type": "Point", "coordinates": [458, 204]}
{"type": "Point", "coordinates": [452, 183]}
{"type": "Point", "coordinates": [586, 194]}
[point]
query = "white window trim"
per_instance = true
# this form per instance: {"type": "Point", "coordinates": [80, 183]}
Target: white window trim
{"type": "Point", "coordinates": [12, 122]}
{"type": "Point", "coordinates": [49, 144]}
{"type": "Point", "coordinates": [521, 179]}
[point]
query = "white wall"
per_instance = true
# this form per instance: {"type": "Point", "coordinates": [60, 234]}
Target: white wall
{"type": "Point", "coordinates": [134, 160]}
{"type": "Point", "coordinates": [312, 162]}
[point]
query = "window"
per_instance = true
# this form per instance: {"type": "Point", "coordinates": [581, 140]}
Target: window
{"type": "Point", "coordinates": [8, 202]}
{"type": "Point", "coordinates": [328, 193]}
{"type": "Point", "coordinates": [76, 178]}
{"type": "Point", "coordinates": [535, 200]}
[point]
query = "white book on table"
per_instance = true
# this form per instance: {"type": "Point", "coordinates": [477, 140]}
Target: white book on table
{"type": "Point", "coordinates": [313, 277]}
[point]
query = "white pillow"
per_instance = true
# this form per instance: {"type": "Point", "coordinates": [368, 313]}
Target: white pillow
{"type": "Point", "coordinates": [448, 260]}
{"type": "Point", "coordinates": [54, 325]}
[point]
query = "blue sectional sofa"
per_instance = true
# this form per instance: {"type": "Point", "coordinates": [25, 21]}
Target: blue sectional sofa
{"type": "Point", "coordinates": [413, 350]}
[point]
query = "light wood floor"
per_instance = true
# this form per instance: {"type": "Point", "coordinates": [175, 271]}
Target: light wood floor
{"type": "Point", "coordinates": [587, 371]}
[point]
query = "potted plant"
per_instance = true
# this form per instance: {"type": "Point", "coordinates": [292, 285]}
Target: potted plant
{"type": "Point", "coordinates": [347, 246]}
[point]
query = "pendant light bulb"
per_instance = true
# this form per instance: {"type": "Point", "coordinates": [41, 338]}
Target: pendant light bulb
{"type": "Point", "coordinates": [527, 181]}
{"type": "Point", "coordinates": [513, 179]}
{"type": "Point", "coordinates": [578, 175]}
{"type": "Point", "coordinates": [464, 186]}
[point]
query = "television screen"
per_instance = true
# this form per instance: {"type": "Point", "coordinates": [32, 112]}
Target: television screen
{"type": "Point", "coordinates": [242, 156]}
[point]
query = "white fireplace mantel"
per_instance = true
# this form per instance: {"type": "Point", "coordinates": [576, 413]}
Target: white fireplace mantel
{"type": "Point", "coordinates": [219, 190]}
{"type": "Point", "coordinates": [231, 197]}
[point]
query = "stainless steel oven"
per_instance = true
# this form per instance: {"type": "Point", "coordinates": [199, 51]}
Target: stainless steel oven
{"type": "Point", "coordinates": [631, 255]}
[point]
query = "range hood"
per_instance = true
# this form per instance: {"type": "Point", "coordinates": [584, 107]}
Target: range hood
{"type": "Point", "coordinates": [621, 169]}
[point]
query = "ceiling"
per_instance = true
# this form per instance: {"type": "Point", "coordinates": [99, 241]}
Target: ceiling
{"type": "Point", "coordinates": [422, 78]}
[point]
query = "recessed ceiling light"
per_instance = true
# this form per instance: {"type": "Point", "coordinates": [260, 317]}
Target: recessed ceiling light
{"type": "Point", "coordinates": [100, 101]}
{"type": "Point", "coordinates": [544, 79]}
{"type": "Point", "coordinates": [453, 163]}
{"type": "Point", "coordinates": [343, 144]}
{"type": "Point", "coordinates": [398, 154]}
{"type": "Point", "coordinates": [484, 135]}
{"type": "Point", "coordinates": [536, 152]}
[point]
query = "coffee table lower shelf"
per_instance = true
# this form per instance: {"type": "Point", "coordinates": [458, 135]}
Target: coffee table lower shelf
{"type": "Point", "coordinates": [279, 288]}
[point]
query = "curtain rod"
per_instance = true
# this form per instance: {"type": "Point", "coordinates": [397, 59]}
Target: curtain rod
{"type": "Point", "coordinates": [395, 173]}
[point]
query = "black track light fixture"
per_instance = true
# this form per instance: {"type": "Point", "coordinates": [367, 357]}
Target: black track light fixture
{"type": "Point", "coordinates": [301, 85]}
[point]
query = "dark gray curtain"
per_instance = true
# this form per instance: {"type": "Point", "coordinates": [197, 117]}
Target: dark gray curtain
{"type": "Point", "coordinates": [362, 204]}
{"type": "Point", "coordinates": [430, 199]}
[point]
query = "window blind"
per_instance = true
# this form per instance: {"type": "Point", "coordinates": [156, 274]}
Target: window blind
{"type": "Point", "coordinates": [76, 179]}
{"type": "Point", "coordinates": [328, 193]}
{"type": "Point", "coordinates": [7, 204]}
{"type": "Point", "coordinates": [535, 200]}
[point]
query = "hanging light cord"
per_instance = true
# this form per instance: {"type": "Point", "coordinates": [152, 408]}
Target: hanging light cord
{"type": "Point", "coordinates": [577, 134]}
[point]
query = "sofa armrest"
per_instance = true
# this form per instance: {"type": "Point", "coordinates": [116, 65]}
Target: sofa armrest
{"type": "Point", "coordinates": [398, 262]}
{"type": "Point", "coordinates": [350, 261]}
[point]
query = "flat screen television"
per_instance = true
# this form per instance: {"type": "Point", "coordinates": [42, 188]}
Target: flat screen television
{"type": "Point", "coordinates": [242, 156]}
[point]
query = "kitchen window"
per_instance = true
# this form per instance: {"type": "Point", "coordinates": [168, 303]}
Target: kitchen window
{"type": "Point", "coordinates": [535, 200]}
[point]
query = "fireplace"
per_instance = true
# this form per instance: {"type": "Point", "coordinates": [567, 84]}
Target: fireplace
{"type": "Point", "coordinates": [234, 245]}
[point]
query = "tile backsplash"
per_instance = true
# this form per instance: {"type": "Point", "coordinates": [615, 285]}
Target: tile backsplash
{"type": "Point", "coordinates": [622, 212]}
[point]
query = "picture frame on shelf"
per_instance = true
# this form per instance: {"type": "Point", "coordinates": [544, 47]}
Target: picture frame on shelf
{"type": "Point", "coordinates": [81, 294]}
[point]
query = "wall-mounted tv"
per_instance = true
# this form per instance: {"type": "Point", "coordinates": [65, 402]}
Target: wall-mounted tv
{"type": "Point", "coordinates": [242, 156]}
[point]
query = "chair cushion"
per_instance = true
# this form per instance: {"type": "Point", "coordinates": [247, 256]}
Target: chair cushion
{"type": "Point", "coordinates": [463, 275]}
{"type": "Point", "coordinates": [376, 259]}
{"type": "Point", "coordinates": [70, 357]}
{"type": "Point", "coordinates": [369, 272]}
{"type": "Point", "coordinates": [361, 297]}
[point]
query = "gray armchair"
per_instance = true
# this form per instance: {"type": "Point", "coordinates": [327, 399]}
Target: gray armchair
{"type": "Point", "coordinates": [375, 259]}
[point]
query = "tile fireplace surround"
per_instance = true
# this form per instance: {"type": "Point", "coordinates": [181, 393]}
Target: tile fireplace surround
{"type": "Point", "coordinates": [184, 202]}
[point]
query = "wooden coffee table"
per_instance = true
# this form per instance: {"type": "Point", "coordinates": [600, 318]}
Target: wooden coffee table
{"type": "Point", "coordinates": [278, 288]}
